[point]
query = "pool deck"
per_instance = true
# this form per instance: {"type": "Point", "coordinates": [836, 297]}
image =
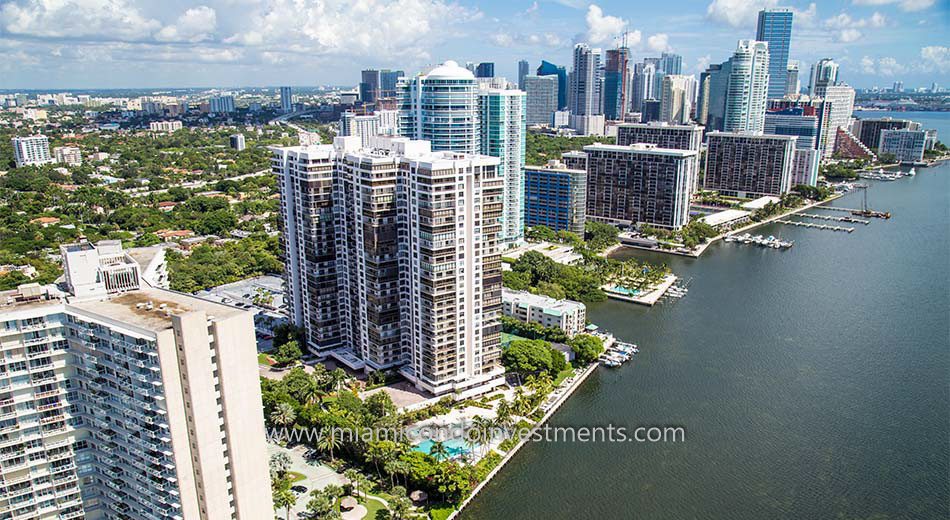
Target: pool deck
{"type": "Point", "coordinates": [649, 298]}
{"type": "Point", "coordinates": [575, 383]}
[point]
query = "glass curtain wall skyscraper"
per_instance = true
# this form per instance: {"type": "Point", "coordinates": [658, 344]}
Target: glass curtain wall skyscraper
{"type": "Point", "coordinates": [502, 126]}
{"type": "Point", "coordinates": [775, 28]}
{"type": "Point", "coordinates": [549, 69]}
{"type": "Point", "coordinates": [441, 107]}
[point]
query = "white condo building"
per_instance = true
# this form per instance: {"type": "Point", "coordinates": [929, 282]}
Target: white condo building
{"type": "Point", "coordinates": [441, 107]}
{"type": "Point", "coordinates": [380, 122]}
{"type": "Point", "coordinates": [120, 400]}
{"type": "Point", "coordinates": [676, 102]}
{"type": "Point", "coordinates": [747, 93]}
{"type": "Point", "coordinates": [31, 150]}
{"type": "Point", "coordinates": [68, 155]}
{"type": "Point", "coordinates": [392, 258]}
{"type": "Point", "coordinates": [164, 126]}
{"type": "Point", "coordinates": [567, 315]}
{"type": "Point", "coordinates": [841, 100]}
{"type": "Point", "coordinates": [502, 135]}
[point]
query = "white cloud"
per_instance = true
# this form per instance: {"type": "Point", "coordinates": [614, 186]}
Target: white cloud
{"type": "Point", "coordinates": [380, 29]}
{"type": "Point", "coordinates": [886, 66]}
{"type": "Point", "coordinates": [115, 20]}
{"type": "Point", "coordinates": [194, 25]}
{"type": "Point", "coordinates": [847, 29]}
{"type": "Point", "coordinates": [502, 40]}
{"type": "Point", "coordinates": [532, 9]}
{"type": "Point", "coordinates": [906, 5]}
{"type": "Point", "coordinates": [737, 13]}
{"type": "Point", "coordinates": [848, 35]}
{"type": "Point", "coordinates": [603, 28]}
{"type": "Point", "coordinates": [935, 57]}
{"type": "Point", "coordinates": [659, 43]}
{"type": "Point", "coordinates": [845, 21]}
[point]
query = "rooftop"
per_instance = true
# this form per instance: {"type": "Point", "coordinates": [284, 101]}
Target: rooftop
{"type": "Point", "coordinates": [152, 309]}
{"type": "Point", "coordinates": [640, 148]}
{"type": "Point", "coordinates": [551, 305]}
{"type": "Point", "coordinates": [724, 217]}
{"type": "Point", "coordinates": [450, 70]}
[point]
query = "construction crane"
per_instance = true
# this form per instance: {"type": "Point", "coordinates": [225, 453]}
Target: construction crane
{"type": "Point", "coordinates": [865, 211]}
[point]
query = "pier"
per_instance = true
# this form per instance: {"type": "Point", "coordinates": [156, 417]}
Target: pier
{"type": "Point", "coordinates": [836, 219]}
{"type": "Point", "coordinates": [816, 226]}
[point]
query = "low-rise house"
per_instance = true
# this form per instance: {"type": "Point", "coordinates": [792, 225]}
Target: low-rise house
{"type": "Point", "coordinates": [174, 234]}
{"type": "Point", "coordinates": [45, 221]}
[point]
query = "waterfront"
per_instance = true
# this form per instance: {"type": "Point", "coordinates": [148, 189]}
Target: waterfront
{"type": "Point", "coordinates": [812, 382]}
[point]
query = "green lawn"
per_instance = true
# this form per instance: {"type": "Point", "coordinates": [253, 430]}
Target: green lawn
{"type": "Point", "coordinates": [296, 477]}
{"type": "Point", "coordinates": [374, 510]}
{"type": "Point", "coordinates": [264, 359]}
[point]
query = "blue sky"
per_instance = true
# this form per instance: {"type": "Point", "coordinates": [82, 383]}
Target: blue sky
{"type": "Point", "coordinates": [149, 43]}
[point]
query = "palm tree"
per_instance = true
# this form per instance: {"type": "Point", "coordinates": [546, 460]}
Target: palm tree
{"type": "Point", "coordinates": [439, 451]}
{"type": "Point", "coordinates": [319, 505]}
{"type": "Point", "coordinates": [328, 442]}
{"type": "Point", "coordinates": [283, 415]}
{"type": "Point", "coordinates": [364, 483]}
{"type": "Point", "coordinates": [313, 392]}
{"type": "Point", "coordinates": [400, 508]}
{"type": "Point", "coordinates": [353, 477]}
{"type": "Point", "coordinates": [285, 498]}
{"type": "Point", "coordinates": [336, 377]}
{"type": "Point", "coordinates": [333, 490]}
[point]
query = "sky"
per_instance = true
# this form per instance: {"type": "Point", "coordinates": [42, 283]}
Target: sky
{"type": "Point", "coordinates": [226, 43]}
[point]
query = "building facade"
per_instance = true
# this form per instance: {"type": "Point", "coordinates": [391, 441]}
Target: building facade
{"type": "Point", "coordinates": [868, 131]}
{"type": "Point", "coordinates": [441, 107]}
{"type": "Point", "coordinates": [68, 155]}
{"type": "Point", "coordinates": [286, 99]}
{"type": "Point", "coordinates": [676, 103]}
{"type": "Point", "coordinates": [907, 145]}
{"type": "Point", "coordinates": [840, 99]}
{"type": "Point", "coordinates": [237, 142]}
{"type": "Point", "coordinates": [616, 83]}
{"type": "Point", "coordinates": [146, 402]}
{"type": "Point", "coordinates": [749, 165]}
{"type": "Point", "coordinates": [585, 97]}
{"type": "Point", "coordinates": [380, 122]}
{"type": "Point", "coordinates": [523, 70]}
{"type": "Point", "coordinates": [775, 28]}
{"type": "Point", "coordinates": [747, 91]}
{"type": "Point", "coordinates": [664, 135]}
{"type": "Point", "coordinates": [31, 150]}
{"type": "Point", "coordinates": [362, 226]}
{"type": "Point", "coordinates": [639, 184]}
{"type": "Point", "coordinates": [541, 98]}
{"type": "Point", "coordinates": [221, 104]}
{"type": "Point", "coordinates": [556, 196]}
{"type": "Point", "coordinates": [549, 69]}
{"type": "Point", "coordinates": [567, 315]}
{"type": "Point", "coordinates": [502, 134]}
{"type": "Point", "coordinates": [805, 124]}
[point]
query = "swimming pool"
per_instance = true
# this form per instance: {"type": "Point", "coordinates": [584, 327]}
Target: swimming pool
{"type": "Point", "coordinates": [623, 290]}
{"type": "Point", "coordinates": [455, 447]}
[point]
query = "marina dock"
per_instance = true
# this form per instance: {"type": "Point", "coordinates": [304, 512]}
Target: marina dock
{"type": "Point", "coordinates": [816, 226]}
{"type": "Point", "coordinates": [836, 219]}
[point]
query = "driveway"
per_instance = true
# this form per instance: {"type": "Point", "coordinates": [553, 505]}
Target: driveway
{"type": "Point", "coordinates": [317, 476]}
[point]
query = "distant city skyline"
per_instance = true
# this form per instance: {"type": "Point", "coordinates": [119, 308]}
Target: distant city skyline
{"type": "Point", "coordinates": [133, 43]}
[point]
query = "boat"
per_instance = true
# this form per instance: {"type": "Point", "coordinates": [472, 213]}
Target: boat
{"type": "Point", "coordinates": [912, 172]}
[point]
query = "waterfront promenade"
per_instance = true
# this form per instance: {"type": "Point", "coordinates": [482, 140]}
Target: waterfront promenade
{"type": "Point", "coordinates": [565, 395]}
